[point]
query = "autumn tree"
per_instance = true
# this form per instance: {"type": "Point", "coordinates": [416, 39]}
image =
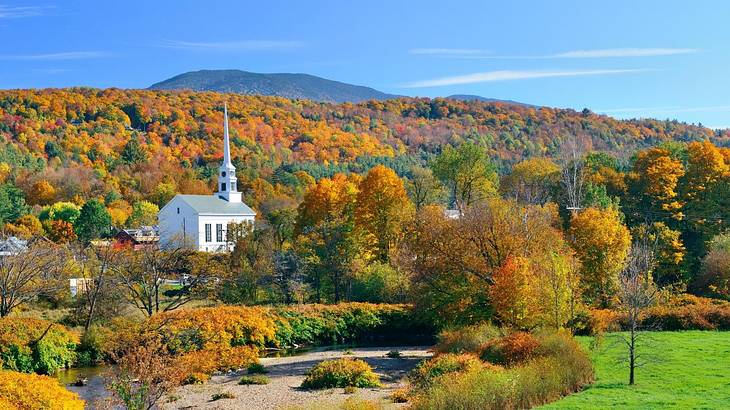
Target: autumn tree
{"type": "Point", "coordinates": [714, 278]}
{"type": "Point", "coordinates": [27, 226]}
{"type": "Point", "coordinates": [601, 242]}
{"type": "Point", "coordinates": [513, 293]}
{"type": "Point", "coordinates": [532, 181]}
{"type": "Point", "coordinates": [328, 242]}
{"type": "Point", "coordinates": [467, 173]}
{"type": "Point", "coordinates": [423, 187]}
{"type": "Point", "coordinates": [653, 185]}
{"type": "Point", "coordinates": [143, 275]}
{"type": "Point", "coordinates": [557, 285]}
{"type": "Point", "coordinates": [382, 208]}
{"type": "Point", "coordinates": [37, 270]}
{"type": "Point", "coordinates": [144, 213]}
{"type": "Point", "coordinates": [250, 263]}
{"type": "Point", "coordinates": [453, 261]}
{"type": "Point", "coordinates": [98, 293]}
{"type": "Point", "coordinates": [41, 193]}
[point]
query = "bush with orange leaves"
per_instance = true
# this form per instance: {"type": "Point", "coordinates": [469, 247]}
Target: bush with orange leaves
{"type": "Point", "coordinates": [517, 347]}
{"type": "Point", "coordinates": [30, 391]}
{"type": "Point", "coordinates": [676, 312]}
{"type": "Point", "coordinates": [541, 369]}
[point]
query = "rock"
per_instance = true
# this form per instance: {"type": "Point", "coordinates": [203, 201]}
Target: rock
{"type": "Point", "coordinates": [81, 382]}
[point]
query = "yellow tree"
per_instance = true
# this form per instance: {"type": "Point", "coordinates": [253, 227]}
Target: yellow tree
{"type": "Point", "coordinates": [27, 226]}
{"type": "Point", "coordinates": [531, 180]}
{"type": "Point", "coordinates": [705, 166]}
{"type": "Point", "coordinates": [654, 183]}
{"type": "Point", "coordinates": [41, 193]}
{"type": "Point", "coordinates": [382, 207]}
{"type": "Point", "coordinates": [601, 242]}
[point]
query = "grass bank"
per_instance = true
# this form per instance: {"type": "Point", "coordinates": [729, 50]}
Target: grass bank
{"type": "Point", "coordinates": [689, 369]}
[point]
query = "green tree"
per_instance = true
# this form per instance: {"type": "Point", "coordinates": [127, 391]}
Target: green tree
{"type": "Point", "coordinates": [93, 222]}
{"type": "Point", "coordinates": [133, 152]}
{"type": "Point", "coordinates": [143, 214]}
{"type": "Point", "coordinates": [467, 173]}
{"type": "Point", "coordinates": [12, 203]}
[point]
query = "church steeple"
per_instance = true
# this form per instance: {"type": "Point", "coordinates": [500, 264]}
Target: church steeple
{"type": "Point", "coordinates": [227, 188]}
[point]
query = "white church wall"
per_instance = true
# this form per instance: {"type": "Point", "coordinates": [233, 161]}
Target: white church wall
{"type": "Point", "coordinates": [177, 223]}
{"type": "Point", "coordinates": [214, 245]}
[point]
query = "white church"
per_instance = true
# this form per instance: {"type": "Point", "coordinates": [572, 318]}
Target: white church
{"type": "Point", "coordinates": [200, 221]}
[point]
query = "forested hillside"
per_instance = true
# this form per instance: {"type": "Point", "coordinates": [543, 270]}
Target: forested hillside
{"type": "Point", "coordinates": [134, 144]}
{"type": "Point", "coordinates": [288, 85]}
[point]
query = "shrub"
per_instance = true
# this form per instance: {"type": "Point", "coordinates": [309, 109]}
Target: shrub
{"type": "Point", "coordinates": [348, 323]}
{"type": "Point", "coordinates": [394, 354]}
{"type": "Point", "coordinates": [220, 396]}
{"type": "Point", "coordinates": [554, 367]}
{"type": "Point", "coordinates": [514, 348]}
{"type": "Point", "coordinates": [196, 378]}
{"type": "Point", "coordinates": [427, 371]}
{"type": "Point", "coordinates": [683, 312]}
{"type": "Point", "coordinates": [256, 368]}
{"type": "Point", "coordinates": [466, 339]}
{"type": "Point", "coordinates": [340, 373]}
{"type": "Point", "coordinates": [400, 395]}
{"type": "Point", "coordinates": [350, 390]}
{"type": "Point", "coordinates": [34, 345]}
{"type": "Point", "coordinates": [90, 349]}
{"type": "Point", "coordinates": [256, 379]}
{"type": "Point", "coordinates": [31, 391]}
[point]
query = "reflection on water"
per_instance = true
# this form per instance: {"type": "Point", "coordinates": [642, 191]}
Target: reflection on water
{"type": "Point", "coordinates": [94, 391]}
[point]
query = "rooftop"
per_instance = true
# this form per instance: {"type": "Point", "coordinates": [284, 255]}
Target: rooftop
{"type": "Point", "coordinates": [209, 204]}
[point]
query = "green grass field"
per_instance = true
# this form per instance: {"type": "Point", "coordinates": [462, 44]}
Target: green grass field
{"type": "Point", "coordinates": [685, 370]}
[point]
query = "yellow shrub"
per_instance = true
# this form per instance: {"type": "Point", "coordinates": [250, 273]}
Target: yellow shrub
{"type": "Point", "coordinates": [31, 392]}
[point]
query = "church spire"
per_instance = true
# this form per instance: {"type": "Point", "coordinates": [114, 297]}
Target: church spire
{"type": "Point", "coordinates": [227, 189]}
{"type": "Point", "coordinates": [226, 138]}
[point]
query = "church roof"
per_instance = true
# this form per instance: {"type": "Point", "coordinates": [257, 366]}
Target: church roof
{"type": "Point", "coordinates": [209, 204]}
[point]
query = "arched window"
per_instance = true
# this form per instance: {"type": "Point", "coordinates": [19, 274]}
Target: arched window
{"type": "Point", "coordinates": [223, 187]}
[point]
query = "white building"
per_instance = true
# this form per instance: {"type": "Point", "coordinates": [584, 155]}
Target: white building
{"type": "Point", "coordinates": [200, 221]}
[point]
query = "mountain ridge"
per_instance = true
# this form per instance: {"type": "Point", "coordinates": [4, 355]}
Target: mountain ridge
{"type": "Point", "coordinates": [288, 85]}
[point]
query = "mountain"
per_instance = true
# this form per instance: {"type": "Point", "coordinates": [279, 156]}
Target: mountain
{"type": "Point", "coordinates": [301, 86]}
{"type": "Point", "coordinates": [467, 97]}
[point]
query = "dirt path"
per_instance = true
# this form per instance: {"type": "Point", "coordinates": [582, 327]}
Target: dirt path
{"type": "Point", "coordinates": [286, 375]}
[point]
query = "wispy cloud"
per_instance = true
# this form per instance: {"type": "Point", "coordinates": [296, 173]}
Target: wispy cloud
{"type": "Point", "coordinates": [68, 55]}
{"type": "Point", "coordinates": [51, 70]}
{"type": "Point", "coordinates": [625, 52]}
{"type": "Point", "coordinates": [506, 75]}
{"type": "Point", "coordinates": [8, 12]}
{"type": "Point", "coordinates": [243, 45]}
{"type": "Point", "coordinates": [595, 53]}
{"type": "Point", "coordinates": [448, 51]}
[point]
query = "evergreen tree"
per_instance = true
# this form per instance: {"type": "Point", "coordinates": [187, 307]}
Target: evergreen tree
{"type": "Point", "coordinates": [93, 222]}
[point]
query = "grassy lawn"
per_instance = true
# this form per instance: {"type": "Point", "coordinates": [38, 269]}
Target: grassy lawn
{"type": "Point", "coordinates": [685, 370]}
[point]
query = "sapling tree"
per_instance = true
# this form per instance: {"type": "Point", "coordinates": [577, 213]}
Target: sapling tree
{"type": "Point", "coordinates": [636, 293]}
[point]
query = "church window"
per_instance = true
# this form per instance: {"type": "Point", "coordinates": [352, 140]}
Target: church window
{"type": "Point", "coordinates": [233, 186]}
{"type": "Point", "coordinates": [223, 187]}
{"type": "Point", "coordinates": [219, 232]}
{"type": "Point", "coordinates": [208, 233]}
{"type": "Point", "coordinates": [178, 210]}
{"type": "Point", "coordinates": [223, 174]}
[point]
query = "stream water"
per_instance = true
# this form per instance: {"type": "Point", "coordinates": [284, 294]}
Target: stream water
{"type": "Point", "coordinates": [94, 390]}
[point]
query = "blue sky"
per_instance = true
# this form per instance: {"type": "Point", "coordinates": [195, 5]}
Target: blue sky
{"type": "Point", "coordinates": [663, 59]}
